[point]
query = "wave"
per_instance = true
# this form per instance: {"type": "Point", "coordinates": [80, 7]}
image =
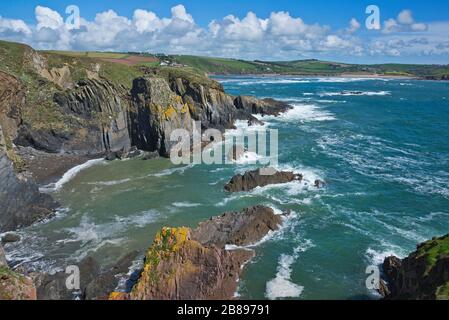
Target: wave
{"type": "Point", "coordinates": [69, 175]}
{"type": "Point", "coordinates": [296, 80]}
{"type": "Point", "coordinates": [302, 113]}
{"type": "Point", "coordinates": [109, 183]}
{"type": "Point", "coordinates": [185, 205]}
{"type": "Point", "coordinates": [93, 233]}
{"type": "Point", "coordinates": [282, 286]}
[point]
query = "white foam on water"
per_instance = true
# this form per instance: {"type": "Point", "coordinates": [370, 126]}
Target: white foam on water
{"type": "Point", "coordinates": [185, 204]}
{"type": "Point", "coordinates": [169, 172]}
{"type": "Point", "coordinates": [302, 113]}
{"type": "Point", "coordinates": [281, 286]}
{"type": "Point", "coordinates": [377, 257]}
{"type": "Point", "coordinates": [91, 232]}
{"type": "Point", "coordinates": [69, 175]}
{"type": "Point", "coordinates": [249, 158]}
{"type": "Point", "coordinates": [109, 183]}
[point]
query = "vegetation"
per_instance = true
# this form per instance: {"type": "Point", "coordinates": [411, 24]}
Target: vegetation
{"type": "Point", "coordinates": [434, 250]}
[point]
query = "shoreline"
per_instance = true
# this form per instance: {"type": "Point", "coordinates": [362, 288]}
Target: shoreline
{"type": "Point", "coordinates": [339, 76]}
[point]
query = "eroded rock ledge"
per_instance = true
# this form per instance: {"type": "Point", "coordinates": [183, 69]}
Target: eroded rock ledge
{"type": "Point", "coordinates": [186, 264]}
{"type": "Point", "coordinates": [423, 275]}
{"type": "Point", "coordinates": [260, 178]}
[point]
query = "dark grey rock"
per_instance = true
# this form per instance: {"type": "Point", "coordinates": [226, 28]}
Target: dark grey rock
{"type": "Point", "coordinates": [253, 179]}
{"type": "Point", "coordinates": [10, 238]}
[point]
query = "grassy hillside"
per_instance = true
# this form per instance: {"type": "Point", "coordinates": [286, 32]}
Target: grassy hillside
{"type": "Point", "coordinates": [309, 67]}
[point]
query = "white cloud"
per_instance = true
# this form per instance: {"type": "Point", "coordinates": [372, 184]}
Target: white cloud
{"type": "Point", "coordinates": [13, 26]}
{"type": "Point", "coordinates": [354, 25]}
{"type": "Point", "coordinates": [277, 36]}
{"type": "Point", "coordinates": [47, 18]}
{"type": "Point", "coordinates": [404, 23]}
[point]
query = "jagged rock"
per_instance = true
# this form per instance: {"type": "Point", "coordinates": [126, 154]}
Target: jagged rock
{"type": "Point", "coordinates": [102, 125]}
{"type": "Point", "coordinates": [53, 286]}
{"type": "Point", "coordinates": [319, 184]}
{"type": "Point", "coordinates": [265, 107]}
{"type": "Point", "coordinates": [194, 265]}
{"type": "Point", "coordinates": [238, 228]}
{"type": "Point", "coordinates": [100, 287]}
{"type": "Point", "coordinates": [21, 203]}
{"type": "Point", "coordinates": [157, 112]}
{"type": "Point", "coordinates": [10, 237]}
{"type": "Point", "coordinates": [14, 286]}
{"type": "Point", "coordinates": [253, 121]}
{"type": "Point", "coordinates": [423, 275]}
{"type": "Point", "coordinates": [150, 155]}
{"type": "Point", "coordinates": [253, 179]}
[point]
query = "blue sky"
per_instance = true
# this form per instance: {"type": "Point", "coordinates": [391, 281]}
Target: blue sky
{"type": "Point", "coordinates": [410, 31]}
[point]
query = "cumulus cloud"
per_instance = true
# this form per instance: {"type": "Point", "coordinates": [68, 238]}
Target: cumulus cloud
{"type": "Point", "coordinates": [276, 36]}
{"type": "Point", "coordinates": [48, 18]}
{"type": "Point", "coordinates": [403, 23]}
{"type": "Point", "coordinates": [13, 26]}
{"type": "Point", "coordinates": [354, 25]}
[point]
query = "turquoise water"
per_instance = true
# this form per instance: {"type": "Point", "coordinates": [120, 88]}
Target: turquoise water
{"type": "Point", "coordinates": [384, 154]}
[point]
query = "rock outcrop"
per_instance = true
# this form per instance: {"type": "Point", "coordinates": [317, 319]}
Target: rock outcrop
{"type": "Point", "coordinates": [238, 228]}
{"type": "Point", "coordinates": [253, 179]}
{"type": "Point", "coordinates": [21, 203]}
{"type": "Point", "coordinates": [185, 264]}
{"type": "Point", "coordinates": [95, 282]}
{"type": "Point", "coordinates": [99, 123]}
{"type": "Point", "coordinates": [423, 275]}
{"type": "Point", "coordinates": [14, 286]}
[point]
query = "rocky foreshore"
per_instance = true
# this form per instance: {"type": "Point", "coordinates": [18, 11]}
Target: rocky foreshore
{"type": "Point", "coordinates": [186, 264]}
{"type": "Point", "coordinates": [423, 275]}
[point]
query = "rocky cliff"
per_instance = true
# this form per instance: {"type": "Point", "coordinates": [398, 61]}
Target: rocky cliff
{"type": "Point", "coordinates": [77, 107]}
{"type": "Point", "coordinates": [423, 275]}
{"type": "Point", "coordinates": [21, 203]}
{"type": "Point", "coordinates": [186, 264]}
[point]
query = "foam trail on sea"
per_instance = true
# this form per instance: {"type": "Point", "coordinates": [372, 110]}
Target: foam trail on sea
{"type": "Point", "coordinates": [282, 286]}
{"type": "Point", "coordinates": [69, 175]}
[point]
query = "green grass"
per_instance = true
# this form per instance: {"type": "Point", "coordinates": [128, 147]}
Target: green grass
{"type": "Point", "coordinates": [433, 250]}
{"type": "Point", "coordinates": [90, 54]}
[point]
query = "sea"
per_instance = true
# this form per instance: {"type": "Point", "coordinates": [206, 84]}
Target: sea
{"type": "Point", "coordinates": [380, 145]}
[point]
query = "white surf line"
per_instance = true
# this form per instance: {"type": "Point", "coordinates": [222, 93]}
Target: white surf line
{"type": "Point", "coordinates": [69, 175]}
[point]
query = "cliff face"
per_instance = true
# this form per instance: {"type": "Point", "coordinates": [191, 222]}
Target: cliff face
{"type": "Point", "coordinates": [185, 264]}
{"type": "Point", "coordinates": [80, 107]}
{"type": "Point", "coordinates": [423, 275]}
{"type": "Point", "coordinates": [21, 203]}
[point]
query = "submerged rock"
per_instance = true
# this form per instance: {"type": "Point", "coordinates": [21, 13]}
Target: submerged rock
{"type": "Point", "coordinates": [253, 179]}
{"type": "Point", "coordinates": [185, 264]}
{"type": "Point", "coordinates": [423, 275]}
